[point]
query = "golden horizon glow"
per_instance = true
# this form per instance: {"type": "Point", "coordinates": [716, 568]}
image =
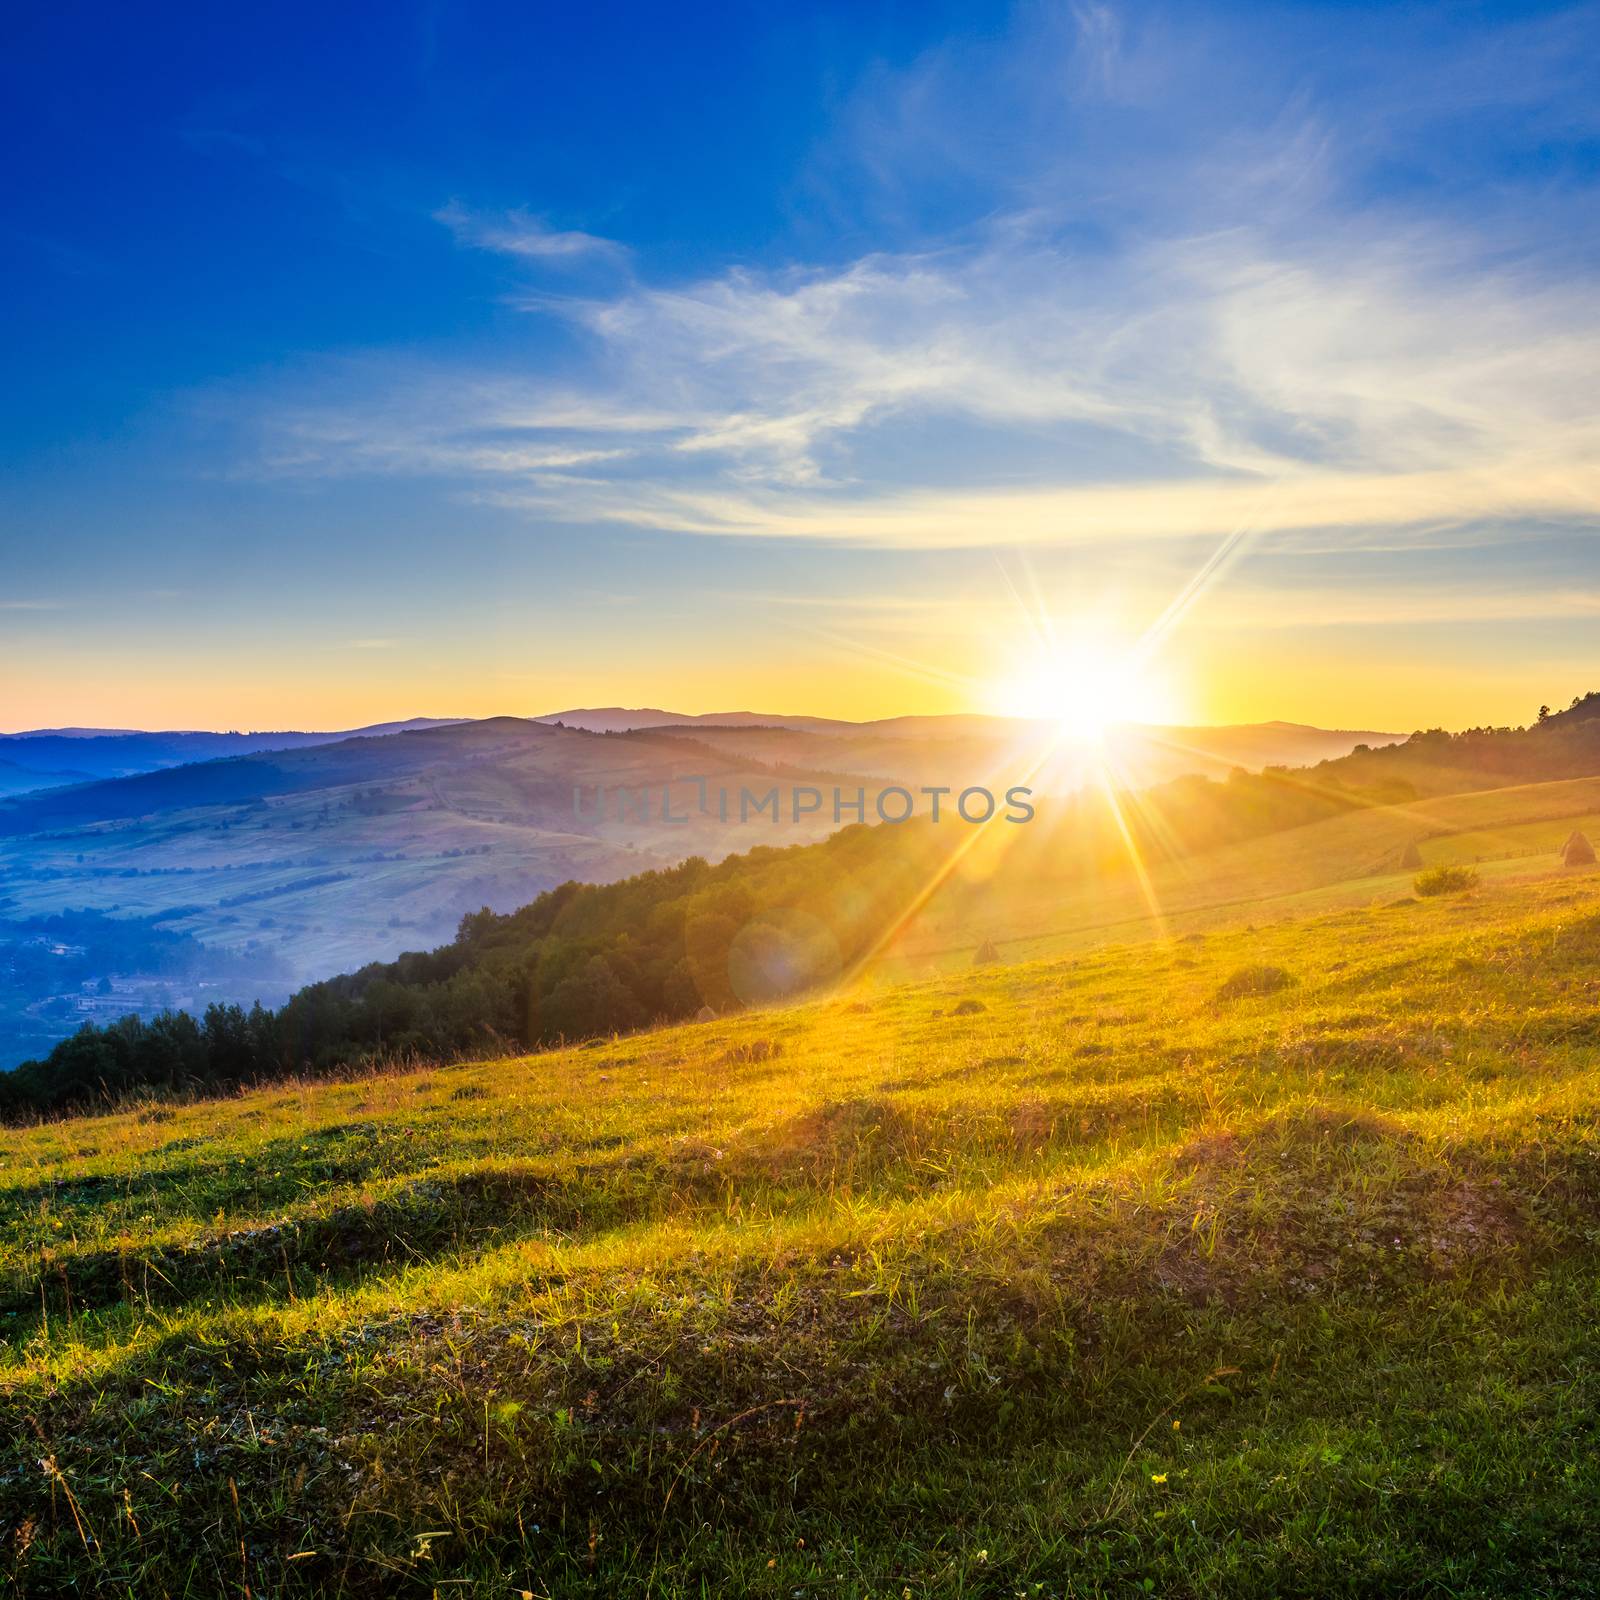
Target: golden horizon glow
{"type": "Point", "coordinates": [1217, 677]}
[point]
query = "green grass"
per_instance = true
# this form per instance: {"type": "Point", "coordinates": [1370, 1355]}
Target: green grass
{"type": "Point", "coordinates": [1111, 1274]}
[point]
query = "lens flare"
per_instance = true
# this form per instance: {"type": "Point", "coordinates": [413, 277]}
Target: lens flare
{"type": "Point", "coordinates": [1085, 690]}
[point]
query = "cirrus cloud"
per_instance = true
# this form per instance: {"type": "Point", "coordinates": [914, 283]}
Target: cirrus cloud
{"type": "Point", "coordinates": [1255, 341]}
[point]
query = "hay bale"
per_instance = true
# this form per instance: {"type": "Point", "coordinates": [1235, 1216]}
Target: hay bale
{"type": "Point", "coordinates": [1410, 858]}
{"type": "Point", "coordinates": [1577, 851]}
{"type": "Point", "coordinates": [986, 954]}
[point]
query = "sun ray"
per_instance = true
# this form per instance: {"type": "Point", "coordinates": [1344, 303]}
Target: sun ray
{"type": "Point", "coordinates": [941, 875]}
{"type": "Point", "coordinates": [1150, 814]}
{"type": "Point", "coordinates": [907, 666]}
{"type": "Point", "coordinates": [1147, 887]}
{"type": "Point", "coordinates": [1210, 572]}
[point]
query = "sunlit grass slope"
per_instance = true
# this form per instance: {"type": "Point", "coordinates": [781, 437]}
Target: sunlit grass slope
{"type": "Point", "coordinates": [1255, 1262]}
{"type": "Point", "coordinates": [1342, 861]}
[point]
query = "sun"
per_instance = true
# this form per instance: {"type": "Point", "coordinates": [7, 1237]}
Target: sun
{"type": "Point", "coordinates": [1085, 690]}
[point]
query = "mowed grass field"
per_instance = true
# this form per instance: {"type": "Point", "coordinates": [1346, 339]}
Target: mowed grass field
{"type": "Point", "coordinates": [1251, 1262]}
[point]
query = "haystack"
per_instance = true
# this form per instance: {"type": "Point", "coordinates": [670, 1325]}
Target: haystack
{"type": "Point", "coordinates": [986, 953]}
{"type": "Point", "coordinates": [1410, 857]}
{"type": "Point", "coordinates": [1577, 851]}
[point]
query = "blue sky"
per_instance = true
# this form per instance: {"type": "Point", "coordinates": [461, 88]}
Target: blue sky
{"type": "Point", "coordinates": [840, 358]}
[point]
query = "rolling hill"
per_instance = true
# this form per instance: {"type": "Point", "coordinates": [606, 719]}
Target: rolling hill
{"type": "Point", "coordinates": [1253, 1263]}
{"type": "Point", "coordinates": [951, 749]}
{"type": "Point", "coordinates": [50, 757]}
{"type": "Point", "coordinates": [18, 778]}
{"type": "Point", "coordinates": [901, 902]}
{"type": "Point", "coordinates": [323, 852]}
{"type": "Point", "coordinates": [293, 864]}
{"type": "Point", "coordinates": [54, 757]}
{"type": "Point", "coordinates": [239, 878]}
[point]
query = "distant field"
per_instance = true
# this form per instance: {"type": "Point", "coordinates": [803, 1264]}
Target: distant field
{"type": "Point", "coordinates": [229, 875]}
{"type": "Point", "coordinates": [1254, 1262]}
{"type": "Point", "coordinates": [1348, 860]}
{"type": "Point", "coordinates": [280, 868]}
{"type": "Point", "coordinates": [294, 865]}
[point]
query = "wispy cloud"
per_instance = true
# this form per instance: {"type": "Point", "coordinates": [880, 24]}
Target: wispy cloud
{"type": "Point", "coordinates": [1283, 608]}
{"type": "Point", "coordinates": [400, 418]}
{"type": "Point", "coordinates": [1141, 344]}
{"type": "Point", "coordinates": [519, 233]}
{"type": "Point", "coordinates": [1238, 608]}
{"type": "Point", "coordinates": [1381, 386]}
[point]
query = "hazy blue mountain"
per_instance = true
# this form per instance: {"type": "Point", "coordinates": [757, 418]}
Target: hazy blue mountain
{"type": "Point", "coordinates": [292, 864]}
{"type": "Point", "coordinates": [1259, 744]}
{"type": "Point", "coordinates": [250, 873]}
{"type": "Point", "coordinates": [46, 757]}
{"type": "Point", "coordinates": [18, 779]}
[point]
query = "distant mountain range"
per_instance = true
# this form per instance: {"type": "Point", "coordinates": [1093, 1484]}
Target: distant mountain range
{"type": "Point", "coordinates": [251, 873]}
{"type": "Point", "coordinates": [15, 778]}
{"type": "Point", "coordinates": [237, 877]}
{"type": "Point", "coordinates": [625, 719]}
{"type": "Point", "coordinates": [935, 749]}
{"type": "Point", "coordinates": [47, 757]}
{"type": "Point", "coordinates": [142, 869]}
{"type": "Point", "coordinates": [1290, 739]}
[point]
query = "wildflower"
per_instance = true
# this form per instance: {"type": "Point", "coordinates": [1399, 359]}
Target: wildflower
{"type": "Point", "coordinates": [1176, 1424]}
{"type": "Point", "coordinates": [1158, 1477]}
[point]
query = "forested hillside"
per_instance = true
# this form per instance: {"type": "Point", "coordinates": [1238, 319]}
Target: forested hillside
{"type": "Point", "coordinates": [1563, 744]}
{"type": "Point", "coordinates": [1262, 1264]}
{"type": "Point", "coordinates": [586, 960]}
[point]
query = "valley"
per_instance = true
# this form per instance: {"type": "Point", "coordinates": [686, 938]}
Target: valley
{"type": "Point", "coordinates": [294, 862]}
{"type": "Point", "coordinates": [1130, 1268]}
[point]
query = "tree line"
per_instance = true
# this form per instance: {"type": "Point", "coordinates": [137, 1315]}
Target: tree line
{"type": "Point", "coordinates": [586, 960]}
{"type": "Point", "coordinates": [580, 961]}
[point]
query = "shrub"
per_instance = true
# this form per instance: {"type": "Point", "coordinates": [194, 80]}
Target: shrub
{"type": "Point", "coordinates": [1445, 880]}
{"type": "Point", "coordinates": [752, 1050]}
{"type": "Point", "coordinates": [1249, 981]}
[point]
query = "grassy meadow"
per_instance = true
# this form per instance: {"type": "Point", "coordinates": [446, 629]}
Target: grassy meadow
{"type": "Point", "coordinates": [1248, 1261]}
{"type": "Point", "coordinates": [1342, 862]}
